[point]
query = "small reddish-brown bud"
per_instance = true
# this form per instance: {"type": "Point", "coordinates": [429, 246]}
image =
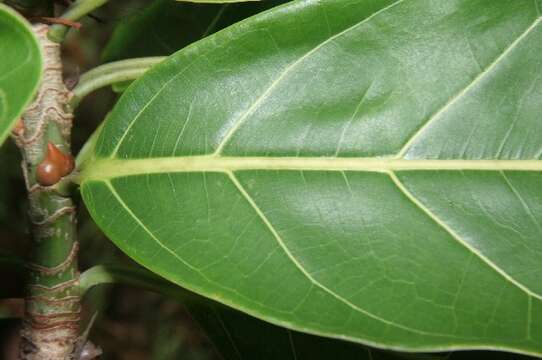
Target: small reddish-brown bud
{"type": "Point", "coordinates": [54, 166]}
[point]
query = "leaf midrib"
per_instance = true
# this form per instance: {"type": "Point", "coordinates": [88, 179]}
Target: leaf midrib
{"type": "Point", "coordinates": [119, 168]}
{"type": "Point", "coordinates": [113, 168]}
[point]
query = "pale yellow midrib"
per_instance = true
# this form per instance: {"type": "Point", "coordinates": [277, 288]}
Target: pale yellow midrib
{"type": "Point", "coordinates": [113, 168]}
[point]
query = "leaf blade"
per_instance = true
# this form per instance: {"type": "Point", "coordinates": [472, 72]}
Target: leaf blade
{"type": "Point", "coordinates": [298, 197]}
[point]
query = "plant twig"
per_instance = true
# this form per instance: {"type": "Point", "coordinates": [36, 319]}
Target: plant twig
{"type": "Point", "coordinates": [53, 20]}
{"type": "Point", "coordinates": [76, 11]}
{"type": "Point", "coordinates": [111, 73]}
{"type": "Point", "coordinates": [113, 273]}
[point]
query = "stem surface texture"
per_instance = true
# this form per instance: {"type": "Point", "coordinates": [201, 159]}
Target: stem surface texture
{"type": "Point", "coordinates": [52, 301]}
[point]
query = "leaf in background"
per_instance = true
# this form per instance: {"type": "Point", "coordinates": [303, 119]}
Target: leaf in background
{"type": "Point", "coordinates": [31, 8]}
{"type": "Point", "coordinates": [368, 170]}
{"type": "Point", "coordinates": [20, 67]}
{"type": "Point", "coordinates": [166, 26]}
{"type": "Point", "coordinates": [239, 336]}
{"type": "Point", "coordinates": [477, 355]}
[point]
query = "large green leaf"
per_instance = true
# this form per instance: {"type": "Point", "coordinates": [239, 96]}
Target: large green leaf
{"type": "Point", "coordinates": [20, 67]}
{"type": "Point", "coordinates": [367, 170]}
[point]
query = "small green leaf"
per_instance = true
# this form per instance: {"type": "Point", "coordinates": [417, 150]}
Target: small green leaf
{"type": "Point", "coordinates": [367, 170]}
{"type": "Point", "coordinates": [20, 67]}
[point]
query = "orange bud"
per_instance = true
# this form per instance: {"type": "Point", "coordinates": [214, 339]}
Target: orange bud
{"type": "Point", "coordinates": [55, 166]}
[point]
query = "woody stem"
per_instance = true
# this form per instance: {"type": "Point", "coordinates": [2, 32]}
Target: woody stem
{"type": "Point", "coordinates": [52, 299]}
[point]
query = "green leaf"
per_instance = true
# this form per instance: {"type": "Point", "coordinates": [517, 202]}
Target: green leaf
{"type": "Point", "coordinates": [166, 26]}
{"type": "Point", "coordinates": [366, 170]}
{"type": "Point", "coordinates": [20, 68]}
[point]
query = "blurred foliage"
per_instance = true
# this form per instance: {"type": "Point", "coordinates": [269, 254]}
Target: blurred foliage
{"type": "Point", "coordinates": [166, 26]}
{"type": "Point", "coordinates": [237, 335]}
{"type": "Point", "coordinates": [134, 324]}
{"type": "Point", "coordinates": [32, 7]}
